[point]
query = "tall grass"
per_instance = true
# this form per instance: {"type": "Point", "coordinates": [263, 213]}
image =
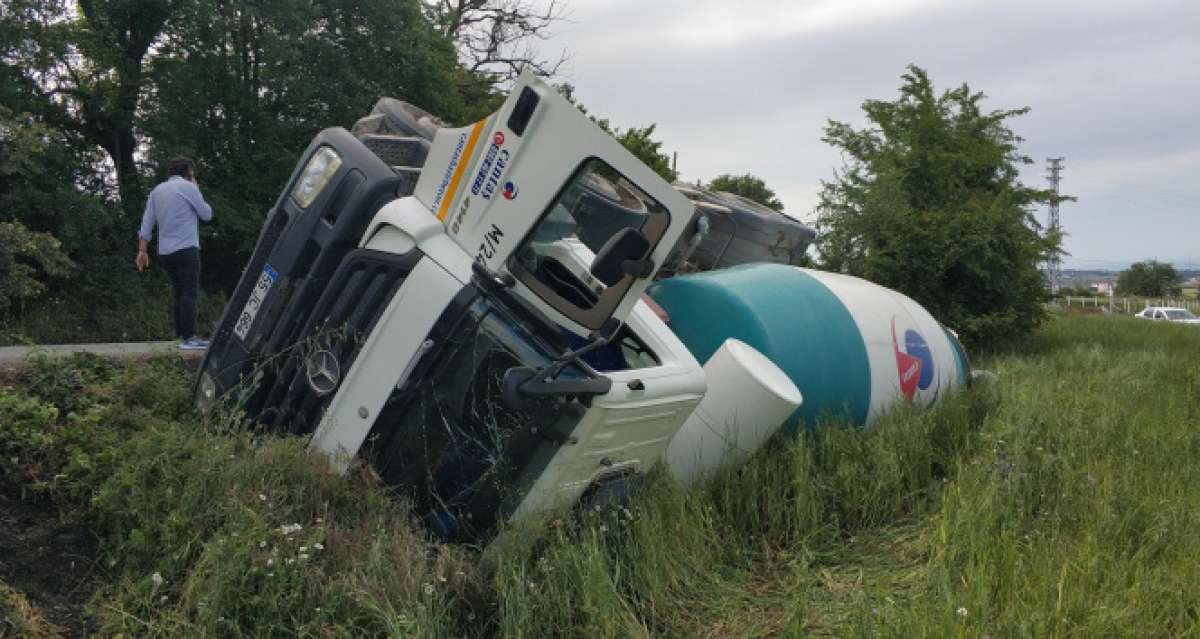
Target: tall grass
{"type": "Point", "coordinates": [1061, 500]}
{"type": "Point", "coordinates": [1079, 516]}
{"type": "Point", "coordinates": [736, 556]}
{"type": "Point", "coordinates": [20, 619]}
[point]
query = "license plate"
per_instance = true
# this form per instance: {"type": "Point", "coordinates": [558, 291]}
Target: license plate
{"type": "Point", "coordinates": [265, 281]}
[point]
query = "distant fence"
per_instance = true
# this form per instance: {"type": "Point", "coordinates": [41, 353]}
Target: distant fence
{"type": "Point", "coordinates": [1128, 304]}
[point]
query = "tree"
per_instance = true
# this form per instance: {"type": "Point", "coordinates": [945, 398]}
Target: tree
{"type": "Point", "coordinates": [84, 71]}
{"type": "Point", "coordinates": [636, 140]}
{"type": "Point", "coordinates": [1149, 279]}
{"type": "Point", "coordinates": [494, 36]}
{"type": "Point", "coordinates": [27, 258]}
{"type": "Point", "coordinates": [747, 186]}
{"type": "Point", "coordinates": [929, 203]}
{"type": "Point", "coordinates": [240, 87]}
{"type": "Point", "coordinates": [273, 74]}
{"type": "Point", "coordinates": [648, 150]}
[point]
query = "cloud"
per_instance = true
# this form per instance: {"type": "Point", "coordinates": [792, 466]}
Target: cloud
{"type": "Point", "coordinates": [748, 87]}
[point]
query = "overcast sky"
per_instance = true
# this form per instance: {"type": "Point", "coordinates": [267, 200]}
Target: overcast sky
{"type": "Point", "coordinates": [747, 86]}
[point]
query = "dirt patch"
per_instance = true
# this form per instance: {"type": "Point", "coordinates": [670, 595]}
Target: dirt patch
{"type": "Point", "coordinates": [49, 558]}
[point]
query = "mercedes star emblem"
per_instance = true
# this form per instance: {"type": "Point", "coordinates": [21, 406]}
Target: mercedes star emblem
{"type": "Point", "coordinates": [323, 372]}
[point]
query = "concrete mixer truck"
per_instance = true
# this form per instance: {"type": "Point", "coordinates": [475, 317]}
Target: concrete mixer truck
{"type": "Point", "coordinates": [465, 309]}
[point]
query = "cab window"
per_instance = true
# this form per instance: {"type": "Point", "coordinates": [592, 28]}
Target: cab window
{"type": "Point", "coordinates": [615, 220]}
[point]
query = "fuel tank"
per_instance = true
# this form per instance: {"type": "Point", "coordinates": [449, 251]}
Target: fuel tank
{"type": "Point", "coordinates": [853, 348]}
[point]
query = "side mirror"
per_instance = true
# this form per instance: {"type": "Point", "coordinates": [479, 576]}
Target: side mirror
{"type": "Point", "coordinates": [623, 254]}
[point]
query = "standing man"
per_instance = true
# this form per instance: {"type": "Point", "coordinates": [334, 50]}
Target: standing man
{"type": "Point", "coordinates": [174, 206]}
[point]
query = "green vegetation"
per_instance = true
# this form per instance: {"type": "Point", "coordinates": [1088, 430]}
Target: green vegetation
{"type": "Point", "coordinates": [95, 96]}
{"type": "Point", "coordinates": [20, 619]}
{"type": "Point", "coordinates": [637, 140]}
{"type": "Point", "coordinates": [930, 204]}
{"type": "Point", "coordinates": [1059, 501]}
{"type": "Point", "coordinates": [747, 186]}
{"type": "Point", "coordinates": [1149, 279]}
{"type": "Point", "coordinates": [79, 315]}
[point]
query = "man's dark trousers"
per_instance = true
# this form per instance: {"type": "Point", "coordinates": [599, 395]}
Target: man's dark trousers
{"type": "Point", "coordinates": [184, 268]}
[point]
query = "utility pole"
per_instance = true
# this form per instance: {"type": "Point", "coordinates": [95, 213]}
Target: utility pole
{"type": "Point", "coordinates": [1054, 265]}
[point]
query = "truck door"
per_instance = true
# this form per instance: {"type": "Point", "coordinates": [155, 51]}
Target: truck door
{"type": "Point", "coordinates": [514, 189]}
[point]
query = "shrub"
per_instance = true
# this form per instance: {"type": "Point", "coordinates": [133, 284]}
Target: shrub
{"type": "Point", "coordinates": [27, 259]}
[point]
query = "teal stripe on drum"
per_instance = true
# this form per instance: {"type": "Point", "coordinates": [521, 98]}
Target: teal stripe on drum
{"type": "Point", "coordinates": [960, 356]}
{"type": "Point", "coordinates": [787, 315]}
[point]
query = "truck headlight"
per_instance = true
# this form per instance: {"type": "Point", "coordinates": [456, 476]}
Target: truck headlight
{"type": "Point", "coordinates": [207, 394]}
{"type": "Point", "coordinates": [316, 174]}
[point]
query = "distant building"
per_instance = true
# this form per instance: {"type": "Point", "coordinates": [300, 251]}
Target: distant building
{"type": "Point", "coordinates": [1103, 288]}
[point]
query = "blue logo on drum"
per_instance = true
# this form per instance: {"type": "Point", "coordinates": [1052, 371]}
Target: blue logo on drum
{"type": "Point", "coordinates": [915, 346]}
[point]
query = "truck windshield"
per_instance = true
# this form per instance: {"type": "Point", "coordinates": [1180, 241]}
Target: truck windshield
{"type": "Point", "coordinates": [1179, 314]}
{"type": "Point", "coordinates": [455, 443]}
{"type": "Point", "coordinates": [594, 205]}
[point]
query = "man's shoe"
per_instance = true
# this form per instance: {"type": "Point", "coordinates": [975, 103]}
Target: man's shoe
{"type": "Point", "coordinates": [193, 343]}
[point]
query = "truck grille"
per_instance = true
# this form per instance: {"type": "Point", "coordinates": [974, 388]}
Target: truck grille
{"type": "Point", "coordinates": [354, 299]}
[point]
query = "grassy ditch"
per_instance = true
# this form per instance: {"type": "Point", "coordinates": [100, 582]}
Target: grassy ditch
{"type": "Point", "coordinates": [1062, 500]}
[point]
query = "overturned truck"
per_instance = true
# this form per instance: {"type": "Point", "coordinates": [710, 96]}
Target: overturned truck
{"type": "Point", "coordinates": [464, 309]}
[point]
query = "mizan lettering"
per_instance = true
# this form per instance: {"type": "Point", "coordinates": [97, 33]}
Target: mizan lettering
{"type": "Point", "coordinates": [491, 242]}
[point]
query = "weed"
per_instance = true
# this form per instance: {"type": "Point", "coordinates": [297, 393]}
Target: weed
{"type": "Point", "coordinates": [1060, 500]}
{"type": "Point", "coordinates": [20, 619]}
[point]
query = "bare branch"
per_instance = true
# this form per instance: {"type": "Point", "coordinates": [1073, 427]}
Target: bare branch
{"type": "Point", "coordinates": [494, 36]}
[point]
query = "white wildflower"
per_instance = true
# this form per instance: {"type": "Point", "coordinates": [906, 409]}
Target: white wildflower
{"type": "Point", "coordinates": [303, 548]}
{"type": "Point", "coordinates": [290, 561]}
{"type": "Point", "coordinates": [262, 544]}
{"type": "Point", "coordinates": [962, 611]}
{"type": "Point", "coordinates": [157, 579]}
{"type": "Point", "coordinates": [162, 599]}
{"type": "Point", "coordinates": [270, 562]}
{"type": "Point", "coordinates": [289, 529]}
{"type": "Point", "coordinates": [320, 521]}
{"type": "Point", "coordinates": [318, 546]}
{"type": "Point", "coordinates": [262, 497]}
{"type": "Point", "coordinates": [303, 556]}
{"type": "Point", "coordinates": [428, 588]}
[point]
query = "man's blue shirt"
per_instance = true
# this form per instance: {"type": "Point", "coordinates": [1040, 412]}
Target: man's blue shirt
{"type": "Point", "coordinates": [174, 206]}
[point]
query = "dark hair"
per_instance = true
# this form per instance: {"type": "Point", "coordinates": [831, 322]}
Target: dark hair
{"type": "Point", "coordinates": [180, 166]}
